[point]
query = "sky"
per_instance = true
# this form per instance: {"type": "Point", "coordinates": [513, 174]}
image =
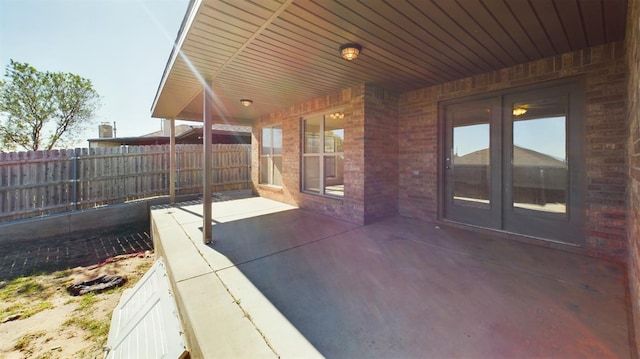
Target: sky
{"type": "Point", "coordinates": [544, 135]}
{"type": "Point", "coordinates": [122, 46]}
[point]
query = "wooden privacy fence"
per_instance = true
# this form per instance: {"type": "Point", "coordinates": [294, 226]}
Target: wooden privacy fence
{"type": "Point", "coordinates": [44, 182]}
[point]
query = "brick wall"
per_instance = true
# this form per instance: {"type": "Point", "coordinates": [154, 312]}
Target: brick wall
{"type": "Point", "coordinates": [633, 149]}
{"type": "Point", "coordinates": [387, 134]}
{"type": "Point", "coordinates": [370, 149]}
{"type": "Point", "coordinates": [603, 69]}
{"type": "Point", "coordinates": [381, 154]}
{"type": "Point", "coordinates": [351, 102]}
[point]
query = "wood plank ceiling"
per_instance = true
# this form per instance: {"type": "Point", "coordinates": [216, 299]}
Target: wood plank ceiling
{"type": "Point", "coordinates": [282, 52]}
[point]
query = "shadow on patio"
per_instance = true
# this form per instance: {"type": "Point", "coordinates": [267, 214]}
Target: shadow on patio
{"type": "Point", "coordinates": [281, 281]}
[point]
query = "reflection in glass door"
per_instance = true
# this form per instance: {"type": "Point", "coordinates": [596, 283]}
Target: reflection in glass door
{"type": "Point", "coordinates": [539, 155]}
{"type": "Point", "coordinates": [514, 163]}
{"type": "Point", "coordinates": [471, 162]}
{"type": "Point", "coordinates": [469, 167]}
{"type": "Point", "coordinates": [544, 189]}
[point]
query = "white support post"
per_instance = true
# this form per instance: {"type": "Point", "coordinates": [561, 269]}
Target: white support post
{"type": "Point", "coordinates": [207, 123]}
{"type": "Point", "coordinates": [172, 162]}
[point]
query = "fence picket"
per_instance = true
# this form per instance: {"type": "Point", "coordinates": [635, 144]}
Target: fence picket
{"type": "Point", "coordinates": [45, 182]}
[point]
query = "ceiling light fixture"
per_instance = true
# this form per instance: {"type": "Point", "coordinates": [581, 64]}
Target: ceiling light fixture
{"type": "Point", "coordinates": [336, 116]}
{"type": "Point", "coordinates": [246, 102]}
{"type": "Point", "coordinates": [519, 111]}
{"type": "Point", "coordinates": [350, 51]}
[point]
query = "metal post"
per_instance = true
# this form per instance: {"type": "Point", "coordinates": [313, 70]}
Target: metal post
{"type": "Point", "coordinates": [207, 123]}
{"type": "Point", "coordinates": [172, 162]}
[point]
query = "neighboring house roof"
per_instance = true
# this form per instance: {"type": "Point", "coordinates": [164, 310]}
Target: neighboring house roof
{"type": "Point", "coordinates": [480, 157]}
{"type": "Point", "coordinates": [181, 130]}
{"type": "Point", "coordinates": [222, 133]}
{"type": "Point", "coordinates": [521, 157]}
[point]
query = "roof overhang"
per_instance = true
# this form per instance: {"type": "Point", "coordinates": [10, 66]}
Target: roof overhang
{"type": "Point", "coordinates": [282, 52]}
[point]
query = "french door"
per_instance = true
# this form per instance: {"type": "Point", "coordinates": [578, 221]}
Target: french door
{"type": "Point", "coordinates": [513, 162]}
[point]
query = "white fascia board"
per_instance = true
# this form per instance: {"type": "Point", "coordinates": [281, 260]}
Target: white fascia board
{"type": "Point", "coordinates": [188, 20]}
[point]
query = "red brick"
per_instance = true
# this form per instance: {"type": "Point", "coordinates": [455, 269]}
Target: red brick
{"type": "Point", "coordinates": [633, 147]}
{"type": "Point", "coordinates": [604, 132]}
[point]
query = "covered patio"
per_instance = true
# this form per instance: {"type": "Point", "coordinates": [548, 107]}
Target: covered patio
{"type": "Point", "coordinates": [468, 185]}
{"type": "Point", "coordinates": [280, 281]}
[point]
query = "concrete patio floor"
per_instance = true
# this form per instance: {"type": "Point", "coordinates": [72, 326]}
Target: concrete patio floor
{"type": "Point", "coordinates": [281, 281]}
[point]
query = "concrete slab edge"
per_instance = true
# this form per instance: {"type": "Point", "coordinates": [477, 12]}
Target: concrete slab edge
{"type": "Point", "coordinates": [94, 219]}
{"type": "Point", "coordinates": [214, 324]}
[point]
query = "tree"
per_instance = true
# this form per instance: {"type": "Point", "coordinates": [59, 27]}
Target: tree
{"type": "Point", "coordinates": [43, 109]}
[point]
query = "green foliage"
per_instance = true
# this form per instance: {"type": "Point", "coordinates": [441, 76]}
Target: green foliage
{"type": "Point", "coordinates": [87, 301]}
{"type": "Point", "coordinates": [43, 109]}
{"type": "Point", "coordinates": [25, 296]}
{"type": "Point", "coordinates": [62, 273]}
{"type": "Point", "coordinates": [25, 310]}
{"type": "Point", "coordinates": [36, 308]}
{"type": "Point", "coordinates": [23, 286]}
{"type": "Point", "coordinates": [97, 329]}
{"type": "Point", "coordinates": [24, 343]}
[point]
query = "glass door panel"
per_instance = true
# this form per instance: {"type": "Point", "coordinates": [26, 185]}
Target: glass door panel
{"type": "Point", "coordinates": [544, 166]}
{"type": "Point", "coordinates": [471, 162]}
{"type": "Point", "coordinates": [469, 179]}
{"type": "Point", "coordinates": [539, 155]}
{"type": "Point", "coordinates": [515, 162]}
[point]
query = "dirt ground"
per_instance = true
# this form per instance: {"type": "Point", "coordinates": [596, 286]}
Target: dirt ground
{"type": "Point", "coordinates": [39, 319]}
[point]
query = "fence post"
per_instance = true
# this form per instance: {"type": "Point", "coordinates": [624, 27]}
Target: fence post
{"type": "Point", "coordinates": [247, 150]}
{"type": "Point", "coordinates": [177, 184]}
{"type": "Point", "coordinates": [75, 179]}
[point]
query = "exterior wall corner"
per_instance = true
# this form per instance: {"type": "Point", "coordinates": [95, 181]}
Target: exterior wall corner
{"type": "Point", "coordinates": [633, 162]}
